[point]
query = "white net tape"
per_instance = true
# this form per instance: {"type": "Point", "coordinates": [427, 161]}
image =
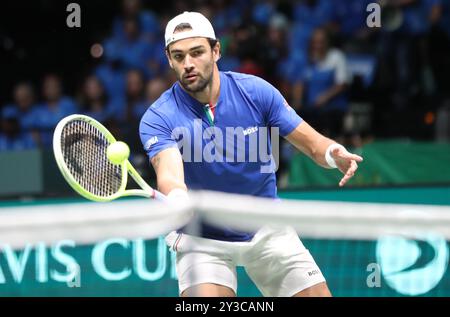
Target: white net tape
{"type": "Point", "coordinates": [320, 219]}
{"type": "Point", "coordinates": [88, 222]}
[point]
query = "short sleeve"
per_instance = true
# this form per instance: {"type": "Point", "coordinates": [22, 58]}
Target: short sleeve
{"type": "Point", "coordinates": [278, 112]}
{"type": "Point", "coordinates": [155, 133]}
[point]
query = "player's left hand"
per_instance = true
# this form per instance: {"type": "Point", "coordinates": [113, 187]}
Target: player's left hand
{"type": "Point", "coordinates": [346, 162]}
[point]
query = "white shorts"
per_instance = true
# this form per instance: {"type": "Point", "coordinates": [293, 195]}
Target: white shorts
{"type": "Point", "coordinates": [275, 260]}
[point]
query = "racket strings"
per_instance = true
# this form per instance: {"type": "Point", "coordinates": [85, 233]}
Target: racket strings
{"type": "Point", "coordinates": [84, 151]}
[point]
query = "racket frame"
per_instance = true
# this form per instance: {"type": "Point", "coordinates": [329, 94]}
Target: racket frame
{"type": "Point", "coordinates": [126, 167]}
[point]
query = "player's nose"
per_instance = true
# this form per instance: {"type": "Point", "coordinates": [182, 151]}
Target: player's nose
{"type": "Point", "coordinates": [188, 63]}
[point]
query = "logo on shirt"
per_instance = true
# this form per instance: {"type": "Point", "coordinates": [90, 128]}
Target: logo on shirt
{"type": "Point", "coordinates": [288, 107]}
{"type": "Point", "coordinates": [150, 142]}
{"type": "Point", "coordinates": [250, 130]}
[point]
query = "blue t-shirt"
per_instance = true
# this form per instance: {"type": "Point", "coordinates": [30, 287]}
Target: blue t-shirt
{"type": "Point", "coordinates": [416, 17]}
{"type": "Point", "coordinates": [290, 68]}
{"type": "Point", "coordinates": [27, 119]}
{"type": "Point", "coordinates": [318, 77]}
{"type": "Point", "coordinates": [132, 54]}
{"type": "Point", "coordinates": [317, 81]}
{"type": "Point", "coordinates": [231, 154]}
{"type": "Point", "coordinates": [148, 25]}
{"type": "Point", "coordinates": [315, 15]}
{"type": "Point", "coordinates": [109, 111]}
{"type": "Point", "coordinates": [47, 117]}
{"type": "Point", "coordinates": [351, 15]}
{"type": "Point", "coordinates": [112, 79]}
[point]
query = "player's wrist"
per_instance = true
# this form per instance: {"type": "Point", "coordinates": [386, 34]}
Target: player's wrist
{"type": "Point", "coordinates": [328, 157]}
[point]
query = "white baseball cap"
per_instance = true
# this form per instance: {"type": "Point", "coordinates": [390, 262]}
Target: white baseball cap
{"type": "Point", "coordinates": [201, 27]}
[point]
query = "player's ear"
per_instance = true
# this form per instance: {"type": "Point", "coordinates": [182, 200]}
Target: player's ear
{"type": "Point", "coordinates": [168, 58]}
{"type": "Point", "coordinates": [216, 51]}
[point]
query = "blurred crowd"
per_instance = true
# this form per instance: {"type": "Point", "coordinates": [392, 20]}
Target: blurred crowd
{"type": "Point", "coordinates": [331, 67]}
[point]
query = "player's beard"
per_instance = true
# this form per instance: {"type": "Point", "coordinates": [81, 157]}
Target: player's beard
{"type": "Point", "coordinates": [201, 83]}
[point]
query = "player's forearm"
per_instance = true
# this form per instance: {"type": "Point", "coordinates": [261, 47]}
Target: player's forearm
{"type": "Point", "coordinates": [168, 166]}
{"type": "Point", "coordinates": [319, 151]}
{"type": "Point", "coordinates": [310, 142]}
{"type": "Point", "coordinates": [166, 184]}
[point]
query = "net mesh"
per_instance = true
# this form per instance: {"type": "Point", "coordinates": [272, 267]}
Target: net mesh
{"type": "Point", "coordinates": [84, 151]}
{"type": "Point", "coordinates": [363, 249]}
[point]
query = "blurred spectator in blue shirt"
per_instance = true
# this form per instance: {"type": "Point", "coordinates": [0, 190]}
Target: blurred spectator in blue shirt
{"type": "Point", "coordinates": [94, 101]}
{"type": "Point", "coordinates": [54, 107]}
{"type": "Point", "coordinates": [153, 90]}
{"type": "Point", "coordinates": [11, 138]}
{"type": "Point", "coordinates": [134, 96]}
{"type": "Point", "coordinates": [350, 25]}
{"type": "Point", "coordinates": [308, 15]}
{"type": "Point", "coordinates": [24, 107]}
{"type": "Point", "coordinates": [405, 49]}
{"type": "Point", "coordinates": [350, 16]}
{"type": "Point", "coordinates": [313, 13]}
{"type": "Point", "coordinates": [127, 116]}
{"type": "Point", "coordinates": [135, 51]}
{"type": "Point", "coordinates": [263, 11]}
{"type": "Point", "coordinates": [419, 15]}
{"type": "Point", "coordinates": [276, 42]}
{"type": "Point", "coordinates": [148, 23]}
{"type": "Point", "coordinates": [283, 64]}
{"type": "Point", "coordinates": [229, 60]}
{"type": "Point", "coordinates": [226, 15]}
{"type": "Point", "coordinates": [112, 78]}
{"type": "Point", "coordinates": [320, 93]}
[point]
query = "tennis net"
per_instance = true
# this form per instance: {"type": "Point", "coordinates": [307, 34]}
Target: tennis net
{"type": "Point", "coordinates": [363, 249]}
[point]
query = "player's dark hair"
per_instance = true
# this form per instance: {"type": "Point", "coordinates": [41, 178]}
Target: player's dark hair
{"type": "Point", "coordinates": [182, 27]}
{"type": "Point", "coordinates": [186, 26]}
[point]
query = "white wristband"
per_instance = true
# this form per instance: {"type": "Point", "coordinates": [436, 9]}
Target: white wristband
{"type": "Point", "coordinates": [177, 192]}
{"type": "Point", "coordinates": [330, 160]}
{"type": "Point", "coordinates": [177, 195]}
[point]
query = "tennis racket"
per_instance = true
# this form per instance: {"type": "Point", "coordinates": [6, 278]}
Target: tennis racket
{"type": "Point", "coordinates": [79, 146]}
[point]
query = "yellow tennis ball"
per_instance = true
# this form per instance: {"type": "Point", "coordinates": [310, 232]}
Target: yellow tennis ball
{"type": "Point", "coordinates": [117, 152]}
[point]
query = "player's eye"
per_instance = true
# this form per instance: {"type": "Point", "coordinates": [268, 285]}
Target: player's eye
{"type": "Point", "coordinates": [178, 57]}
{"type": "Point", "coordinates": [196, 53]}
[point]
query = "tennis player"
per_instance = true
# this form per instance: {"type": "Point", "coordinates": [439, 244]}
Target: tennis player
{"type": "Point", "coordinates": [205, 99]}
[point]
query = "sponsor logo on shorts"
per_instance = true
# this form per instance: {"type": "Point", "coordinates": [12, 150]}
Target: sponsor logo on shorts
{"type": "Point", "coordinates": [313, 272]}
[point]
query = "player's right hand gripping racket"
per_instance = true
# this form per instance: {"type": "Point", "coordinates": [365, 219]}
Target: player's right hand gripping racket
{"type": "Point", "coordinates": [79, 146]}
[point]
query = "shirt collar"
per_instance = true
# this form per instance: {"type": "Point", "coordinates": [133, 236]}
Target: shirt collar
{"type": "Point", "coordinates": [190, 101]}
